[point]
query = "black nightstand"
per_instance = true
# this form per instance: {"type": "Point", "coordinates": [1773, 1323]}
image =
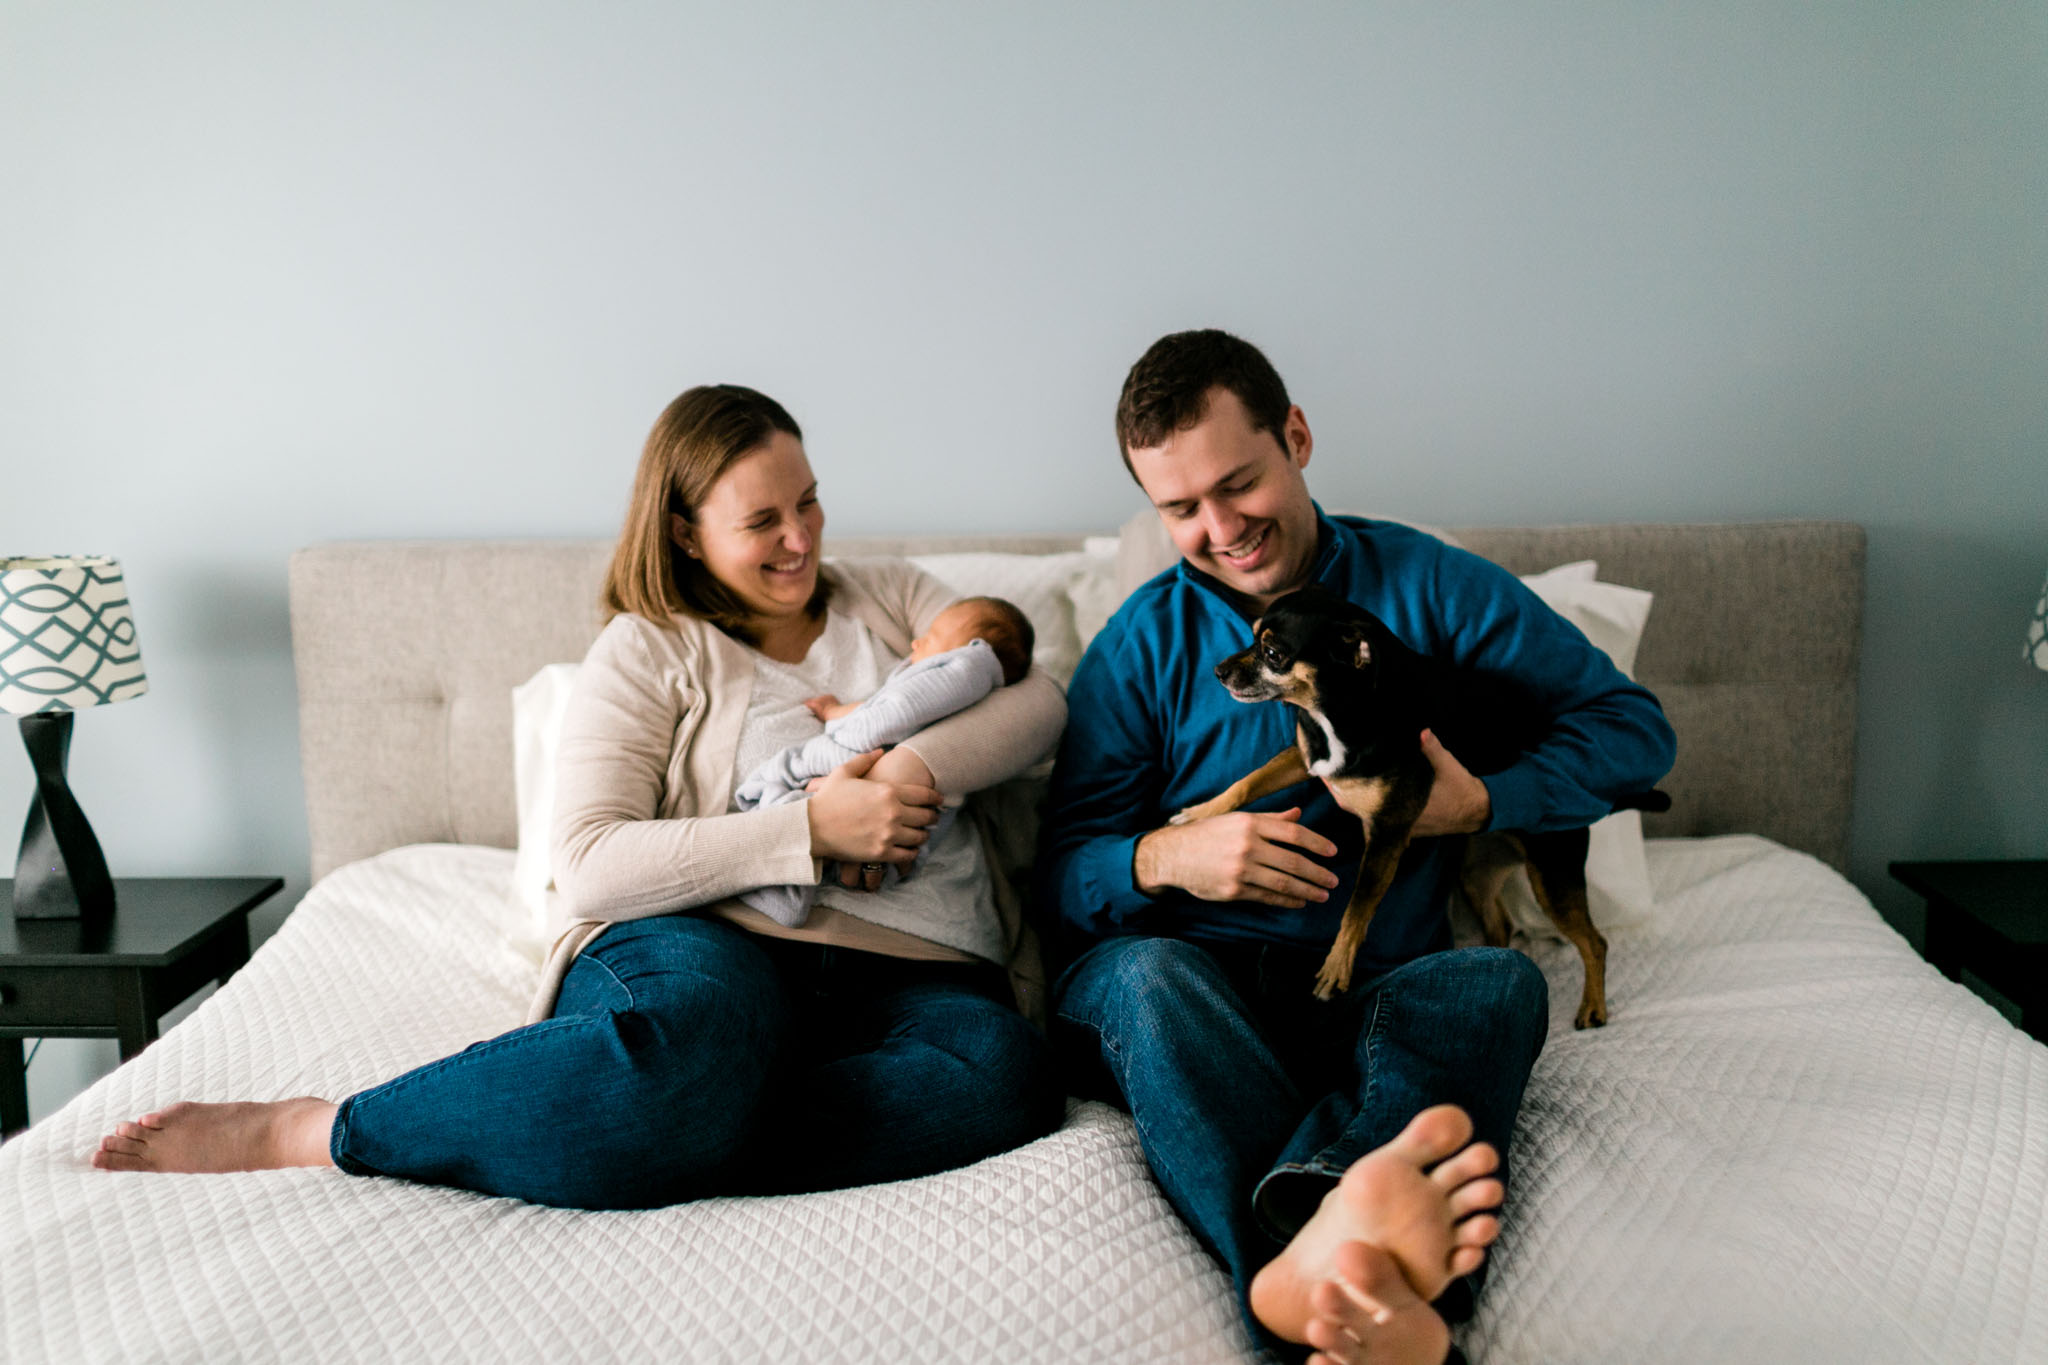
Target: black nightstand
{"type": "Point", "coordinates": [1990, 918]}
{"type": "Point", "coordinates": [168, 937]}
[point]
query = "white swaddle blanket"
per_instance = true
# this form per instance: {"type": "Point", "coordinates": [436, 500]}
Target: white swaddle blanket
{"type": "Point", "coordinates": [916, 693]}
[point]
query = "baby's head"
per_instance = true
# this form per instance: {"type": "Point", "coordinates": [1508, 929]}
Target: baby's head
{"type": "Point", "coordinates": [991, 620]}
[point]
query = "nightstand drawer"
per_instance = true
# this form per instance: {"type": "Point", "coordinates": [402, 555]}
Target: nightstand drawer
{"type": "Point", "coordinates": [55, 997]}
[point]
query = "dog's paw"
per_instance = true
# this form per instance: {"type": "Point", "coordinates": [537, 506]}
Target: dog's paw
{"type": "Point", "coordinates": [1183, 817]}
{"type": "Point", "coordinates": [1591, 1016]}
{"type": "Point", "coordinates": [1332, 982]}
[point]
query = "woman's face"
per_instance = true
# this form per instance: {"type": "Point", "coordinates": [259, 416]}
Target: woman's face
{"type": "Point", "coordinates": [757, 530]}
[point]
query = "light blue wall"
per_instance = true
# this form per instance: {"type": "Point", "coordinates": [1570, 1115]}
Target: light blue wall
{"type": "Point", "coordinates": [274, 274]}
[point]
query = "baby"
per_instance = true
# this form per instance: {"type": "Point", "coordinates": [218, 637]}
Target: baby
{"type": "Point", "coordinates": [970, 649]}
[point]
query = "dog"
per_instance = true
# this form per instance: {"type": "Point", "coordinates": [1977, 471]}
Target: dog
{"type": "Point", "coordinates": [1361, 700]}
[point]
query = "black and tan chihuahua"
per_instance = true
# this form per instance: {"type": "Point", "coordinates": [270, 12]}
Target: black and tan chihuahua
{"type": "Point", "coordinates": [1361, 701]}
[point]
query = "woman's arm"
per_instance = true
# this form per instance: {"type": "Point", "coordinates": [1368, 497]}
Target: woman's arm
{"type": "Point", "coordinates": [613, 857]}
{"type": "Point", "coordinates": [998, 737]}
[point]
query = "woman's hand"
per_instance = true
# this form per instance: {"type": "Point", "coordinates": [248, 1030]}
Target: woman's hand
{"type": "Point", "coordinates": [860, 819]}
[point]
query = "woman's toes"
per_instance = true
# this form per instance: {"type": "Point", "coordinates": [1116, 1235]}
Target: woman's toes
{"type": "Point", "coordinates": [131, 1130]}
{"type": "Point", "coordinates": [123, 1145]}
{"type": "Point", "coordinates": [1465, 1260]}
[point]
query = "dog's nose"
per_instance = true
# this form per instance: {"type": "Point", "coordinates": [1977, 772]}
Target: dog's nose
{"type": "Point", "coordinates": [1223, 671]}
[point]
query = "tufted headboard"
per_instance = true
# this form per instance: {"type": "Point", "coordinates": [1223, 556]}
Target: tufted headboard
{"type": "Point", "coordinates": [407, 654]}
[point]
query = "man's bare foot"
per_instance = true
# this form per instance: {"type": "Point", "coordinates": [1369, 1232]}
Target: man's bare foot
{"type": "Point", "coordinates": [221, 1137]}
{"type": "Point", "coordinates": [1368, 1312]}
{"type": "Point", "coordinates": [1419, 1199]}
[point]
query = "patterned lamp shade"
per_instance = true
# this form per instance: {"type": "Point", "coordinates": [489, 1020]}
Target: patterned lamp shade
{"type": "Point", "coordinates": [67, 639]}
{"type": "Point", "coordinates": [2037, 633]}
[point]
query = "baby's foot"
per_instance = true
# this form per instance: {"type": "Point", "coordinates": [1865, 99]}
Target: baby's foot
{"type": "Point", "coordinates": [1418, 1199]}
{"type": "Point", "coordinates": [221, 1137]}
{"type": "Point", "coordinates": [1368, 1312]}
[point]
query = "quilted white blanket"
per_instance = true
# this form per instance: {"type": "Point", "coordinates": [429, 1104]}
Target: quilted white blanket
{"type": "Point", "coordinates": [1794, 1142]}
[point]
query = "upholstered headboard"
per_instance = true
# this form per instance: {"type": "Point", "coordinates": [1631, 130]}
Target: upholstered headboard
{"type": "Point", "coordinates": [407, 654]}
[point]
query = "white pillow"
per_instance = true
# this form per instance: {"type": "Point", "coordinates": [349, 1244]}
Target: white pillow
{"type": "Point", "coordinates": [1094, 590]}
{"type": "Point", "coordinates": [538, 705]}
{"type": "Point", "coordinates": [1040, 585]}
{"type": "Point", "coordinates": [1617, 870]}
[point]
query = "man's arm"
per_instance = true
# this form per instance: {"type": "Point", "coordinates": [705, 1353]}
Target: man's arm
{"type": "Point", "coordinates": [1608, 735]}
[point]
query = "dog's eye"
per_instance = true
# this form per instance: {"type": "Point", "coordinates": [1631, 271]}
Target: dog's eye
{"type": "Point", "coordinates": [1271, 655]}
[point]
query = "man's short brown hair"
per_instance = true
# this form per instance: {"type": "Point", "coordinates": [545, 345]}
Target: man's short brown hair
{"type": "Point", "coordinates": [1168, 389]}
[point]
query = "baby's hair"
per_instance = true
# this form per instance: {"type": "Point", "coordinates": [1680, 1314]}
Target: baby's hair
{"type": "Point", "coordinates": [1008, 632]}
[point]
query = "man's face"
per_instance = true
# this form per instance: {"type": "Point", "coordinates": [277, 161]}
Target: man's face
{"type": "Point", "coordinates": [1233, 499]}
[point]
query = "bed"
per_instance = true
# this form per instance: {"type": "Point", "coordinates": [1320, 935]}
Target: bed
{"type": "Point", "coordinates": [1795, 1140]}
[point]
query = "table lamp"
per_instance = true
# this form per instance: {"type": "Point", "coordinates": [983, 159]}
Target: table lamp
{"type": "Point", "coordinates": [2037, 633]}
{"type": "Point", "coordinates": [67, 641]}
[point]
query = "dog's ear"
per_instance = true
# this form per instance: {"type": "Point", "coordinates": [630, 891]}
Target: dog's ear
{"type": "Point", "coordinates": [1353, 646]}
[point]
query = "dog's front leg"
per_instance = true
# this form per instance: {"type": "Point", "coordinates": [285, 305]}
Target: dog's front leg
{"type": "Point", "coordinates": [1281, 771]}
{"type": "Point", "coordinates": [1383, 851]}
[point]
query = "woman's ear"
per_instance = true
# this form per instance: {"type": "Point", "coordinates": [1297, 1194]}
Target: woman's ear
{"type": "Point", "coordinates": [680, 531]}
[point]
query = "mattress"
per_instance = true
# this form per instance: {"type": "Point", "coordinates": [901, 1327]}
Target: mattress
{"type": "Point", "coordinates": [1795, 1141]}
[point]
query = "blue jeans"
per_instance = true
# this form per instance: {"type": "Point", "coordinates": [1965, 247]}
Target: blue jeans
{"type": "Point", "coordinates": [689, 1058]}
{"type": "Point", "coordinates": [1251, 1097]}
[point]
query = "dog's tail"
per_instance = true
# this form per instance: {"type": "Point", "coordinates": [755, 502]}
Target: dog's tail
{"type": "Point", "coordinates": [1652, 800]}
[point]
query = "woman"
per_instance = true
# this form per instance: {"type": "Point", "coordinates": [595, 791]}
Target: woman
{"type": "Point", "coordinates": [684, 1045]}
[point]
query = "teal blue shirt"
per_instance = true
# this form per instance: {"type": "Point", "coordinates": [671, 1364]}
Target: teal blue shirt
{"type": "Point", "coordinates": [1150, 731]}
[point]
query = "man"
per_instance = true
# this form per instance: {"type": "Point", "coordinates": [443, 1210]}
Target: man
{"type": "Point", "coordinates": [1338, 1158]}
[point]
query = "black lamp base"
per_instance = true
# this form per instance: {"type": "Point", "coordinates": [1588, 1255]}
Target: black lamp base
{"type": "Point", "coordinates": [61, 873]}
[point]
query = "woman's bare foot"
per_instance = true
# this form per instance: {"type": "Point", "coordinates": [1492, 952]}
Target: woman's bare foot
{"type": "Point", "coordinates": [222, 1137]}
{"type": "Point", "coordinates": [1419, 1199]}
{"type": "Point", "coordinates": [1368, 1312]}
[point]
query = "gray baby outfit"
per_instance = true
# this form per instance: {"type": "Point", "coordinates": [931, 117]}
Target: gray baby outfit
{"type": "Point", "coordinates": [915, 694]}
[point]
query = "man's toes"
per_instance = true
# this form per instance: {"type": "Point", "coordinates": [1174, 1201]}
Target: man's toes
{"type": "Point", "coordinates": [1472, 1198]}
{"type": "Point", "coordinates": [1475, 1161]}
{"type": "Point", "coordinates": [1465, 1260]}
{"type": "Point", "coordinates": [126, 1146]}
{"type": "Point", "coordinates": [1370, 1274]}
{"type": "Point", "coordinates": [1334, 1345]}
{"type": "Point", "coordinates": [1432, 1135]}
{"type": "Point", "coordinates": [1481, 1229]}
{"type": "Point", "coordinates": [134, 1130]}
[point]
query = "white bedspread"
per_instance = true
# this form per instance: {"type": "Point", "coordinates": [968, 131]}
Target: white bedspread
{"type": "Point", "coordinates": [1795, 1142]}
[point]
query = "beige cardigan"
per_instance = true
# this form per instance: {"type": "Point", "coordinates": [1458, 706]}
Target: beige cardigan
{"type": "Point", "coordinates": [644, 777]}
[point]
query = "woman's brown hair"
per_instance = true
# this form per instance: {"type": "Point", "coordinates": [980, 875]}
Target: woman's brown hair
{"type": "Point", "coordinates": [699, 436]}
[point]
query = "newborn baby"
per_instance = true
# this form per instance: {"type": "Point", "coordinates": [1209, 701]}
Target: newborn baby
{"type": "Point", "coordinates": [971, 648]}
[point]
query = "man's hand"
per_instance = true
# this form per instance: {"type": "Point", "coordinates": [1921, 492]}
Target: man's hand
{"type": "Point", "coordinates": [1458, 802]}
{"type": "Point", "coordinates": [1242, 856]}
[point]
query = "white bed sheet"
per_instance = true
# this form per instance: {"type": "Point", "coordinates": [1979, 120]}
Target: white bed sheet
{"type": "Point", "coordinates": [1795, 1141]}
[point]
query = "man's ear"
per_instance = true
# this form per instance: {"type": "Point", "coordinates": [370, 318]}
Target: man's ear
{"type": "Point", "coordinates": [1296, 438]}
{"type": "Point", "coordinates": [680, 532]}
